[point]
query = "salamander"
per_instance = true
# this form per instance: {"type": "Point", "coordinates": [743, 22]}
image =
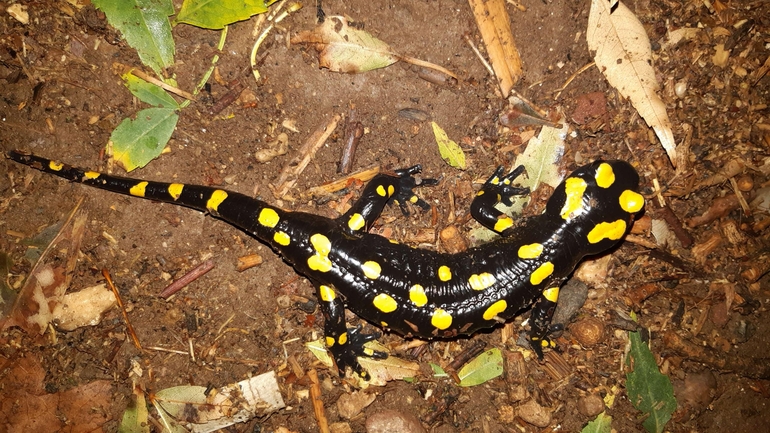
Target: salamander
{"type": "Point", "coordinates": [418, 292]}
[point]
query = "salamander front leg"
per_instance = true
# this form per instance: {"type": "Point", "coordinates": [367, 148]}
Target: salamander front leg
{"type": "Point", "coordinates": [540, 320]}
{"type": "Point", "coordinates": [385, 189]}
{"type": "Point", "coordinates": [497, 189]}
{"type": "Point", "coordinates": [345, 344]}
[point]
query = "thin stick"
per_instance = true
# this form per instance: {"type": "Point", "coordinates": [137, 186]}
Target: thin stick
{"type": "Point", "coordinates": [129, 327]}
{"type": "Point", "coordinates": [187, 278]}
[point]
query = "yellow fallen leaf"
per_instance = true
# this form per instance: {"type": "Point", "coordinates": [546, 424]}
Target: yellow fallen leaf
{"type": "Point", "coordinates": [623, 54]}
{"type": "Point", "coordinates": [449, 150]}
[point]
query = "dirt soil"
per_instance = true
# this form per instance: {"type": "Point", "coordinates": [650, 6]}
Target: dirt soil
{"type": "Point", "coordinates": [60, 98]}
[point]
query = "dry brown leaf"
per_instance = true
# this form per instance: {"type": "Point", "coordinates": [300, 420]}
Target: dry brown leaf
{"type": "Point", "coordinates": [25, 406]}
{"type": "Point", "coordinates": [623, 54]}
{"type": "Point", "coordinates": [343, 48]}
{"type": "Point", "coordinates": [46, 285]}
{"type": "Point", "coordinates": [495, 27]}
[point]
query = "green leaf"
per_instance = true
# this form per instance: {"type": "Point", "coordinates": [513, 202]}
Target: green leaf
{"type": "Point", "coordinates": [145, 26]}
{"type": "Point", "coordinates": [601, 424]}
{"type": "Point", "coordinates": [216, 14]}
{"type": "Point", "coordinates": [450, 151]}
{"type": "Point", "coordinates": [136, 417]}
{"type": "Point", "coordinates": [482, 368]}
{"type": "Point", "coordinates": [149, 93]}
{"type": "Point", "coordinates": [437, 370]}
{"type": "Point", "coordinates": [137, 142]}
{"type": "Point", "coordinates": [648, 390]}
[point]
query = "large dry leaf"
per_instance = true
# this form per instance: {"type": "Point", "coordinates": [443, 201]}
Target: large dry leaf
{"type": "Point", "coordinates": [623, 54]}
{"type": "Point", "coordinates": [47, 283]}
{"type": "Point", "coordinates": [344, 48]}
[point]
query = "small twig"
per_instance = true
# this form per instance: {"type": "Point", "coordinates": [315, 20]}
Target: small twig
{"type": "Point", "coordinates": [129, 327]}
{"type": "Point", "coordinates": [478, 54]}
{"type": "Point", "coordinates": [308, 150]}
{"type": "Point", "coordinates": [187, 278]}
{"type": "Point", "coordinates": [163, 349]}
{"type": "Point", "coordinates": [273, 20]}
{"type": "Point", "coordinates": [124, 69]}
{"type": "Point", "coordinates": [557, 92]}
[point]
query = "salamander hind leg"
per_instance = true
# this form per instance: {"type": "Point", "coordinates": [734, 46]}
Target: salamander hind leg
{"type": "Point", "coordinates": [540, 320]}
{"type": "Point", "coordinates": [345, 344]}
{"type": "Point", "coordinates": [497, 189]}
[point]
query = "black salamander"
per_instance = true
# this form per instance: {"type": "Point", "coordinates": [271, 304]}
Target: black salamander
{"type": "Point", "coordinates": [418, 292]}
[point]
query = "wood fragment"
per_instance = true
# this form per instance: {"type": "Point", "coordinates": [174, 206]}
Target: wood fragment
{"type": "Point", "coordinates": [354, 130]}
{"type": "Point", "coordinates": [187, 278]}
{"type": "Point", "coordinates": [129, 327]}
{"type": "Point", "coordinates": [675, 224]}
{"type": "Point", "coordinates": [318, 404]}
{"type": "Point", "coordinates": [719, 207]}
{"type": "Point", "coordinates": [495, 27]}
{"type": "Point", "coordinates": [364, 175]}
{"type": "Point", "coordinates": [249, 261]}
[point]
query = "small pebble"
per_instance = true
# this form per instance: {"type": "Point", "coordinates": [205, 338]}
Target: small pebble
{"type": "Point", "coordinates": [590, 405]}
{"type": "Point", "coordinates": [392, 421]}
{"type": "Point", "coordinates": [535, 414]}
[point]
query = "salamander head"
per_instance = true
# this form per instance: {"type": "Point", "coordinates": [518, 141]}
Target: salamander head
{"type": "Point", "coordinates": [598, 203]}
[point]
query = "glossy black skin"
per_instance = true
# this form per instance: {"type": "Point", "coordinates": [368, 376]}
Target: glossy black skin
{"type": "Point", "coordinates": [564, 245]}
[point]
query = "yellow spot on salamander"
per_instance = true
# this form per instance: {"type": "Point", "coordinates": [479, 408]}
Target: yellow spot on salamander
{"type": "Point", "coordinates": [503, 223]}
{"type": "Point", "coordinates": [613, 231]}
{"type": "Point", "coordinates": [574, 188]}
{"type": "Point", "coordinates": [329, 341]}
{"type": "Point", "coordinates": [138, 189]}
{"type": "Point", "coordinates": [381, 191]}
{"type": "Point", "coordinates": [544, 271]}
{"type": "Point", "coordinates": [55, 165]}
{"type": "Point", "coordinates": [481, 281]}
{"type": "Point", "coordinates": [327, 293]}
{"type": "Point", "coordinates": [321, 244]}
{"type": "Point", "coordinates": [631, 202]}
{"type": "Point", "coordinates": [391, 190]}
{"type": "Point", "coordinates": [531, 251]}
{"type": "Point", "coordinates": [343, 338]}
{"type": "Point", "coordinates": [480, 193]}
{"type": "Point", "coordinates": [175, 190]}
{"type": "Point", "coordinates": [371, 269]}
{"type": "Point", "coordinates": [604, 176]}
{"type": "Point", "coordinates": [495, 309]}
{"type": "Point", "coordinates": [444, 273]}
{"type": "Point", "coordinates": [414, 199]}
{"type": "Point", "coordinates": [282, 238]}
{"type": "Point", "coordinates": [495, 180]}
{"type": "Point", "coordinates": [552, 294]}
{"type": "Point", "coordinates": [217, 197]}
{"type": "Point", "coordinates": [417, 295]}
{"type": "Point", "coordinates": [319, 263]}
{"type": "Point", "coordinates": [92, 174]}
{"type": "Point", "coordinates": [356, 221]}
{"type": "Point", "coordinates": [441, 319]}
{"type": "Point", "coordinates": [385, 303]}
{"type": "Point", "coordinates": [268, 217]}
